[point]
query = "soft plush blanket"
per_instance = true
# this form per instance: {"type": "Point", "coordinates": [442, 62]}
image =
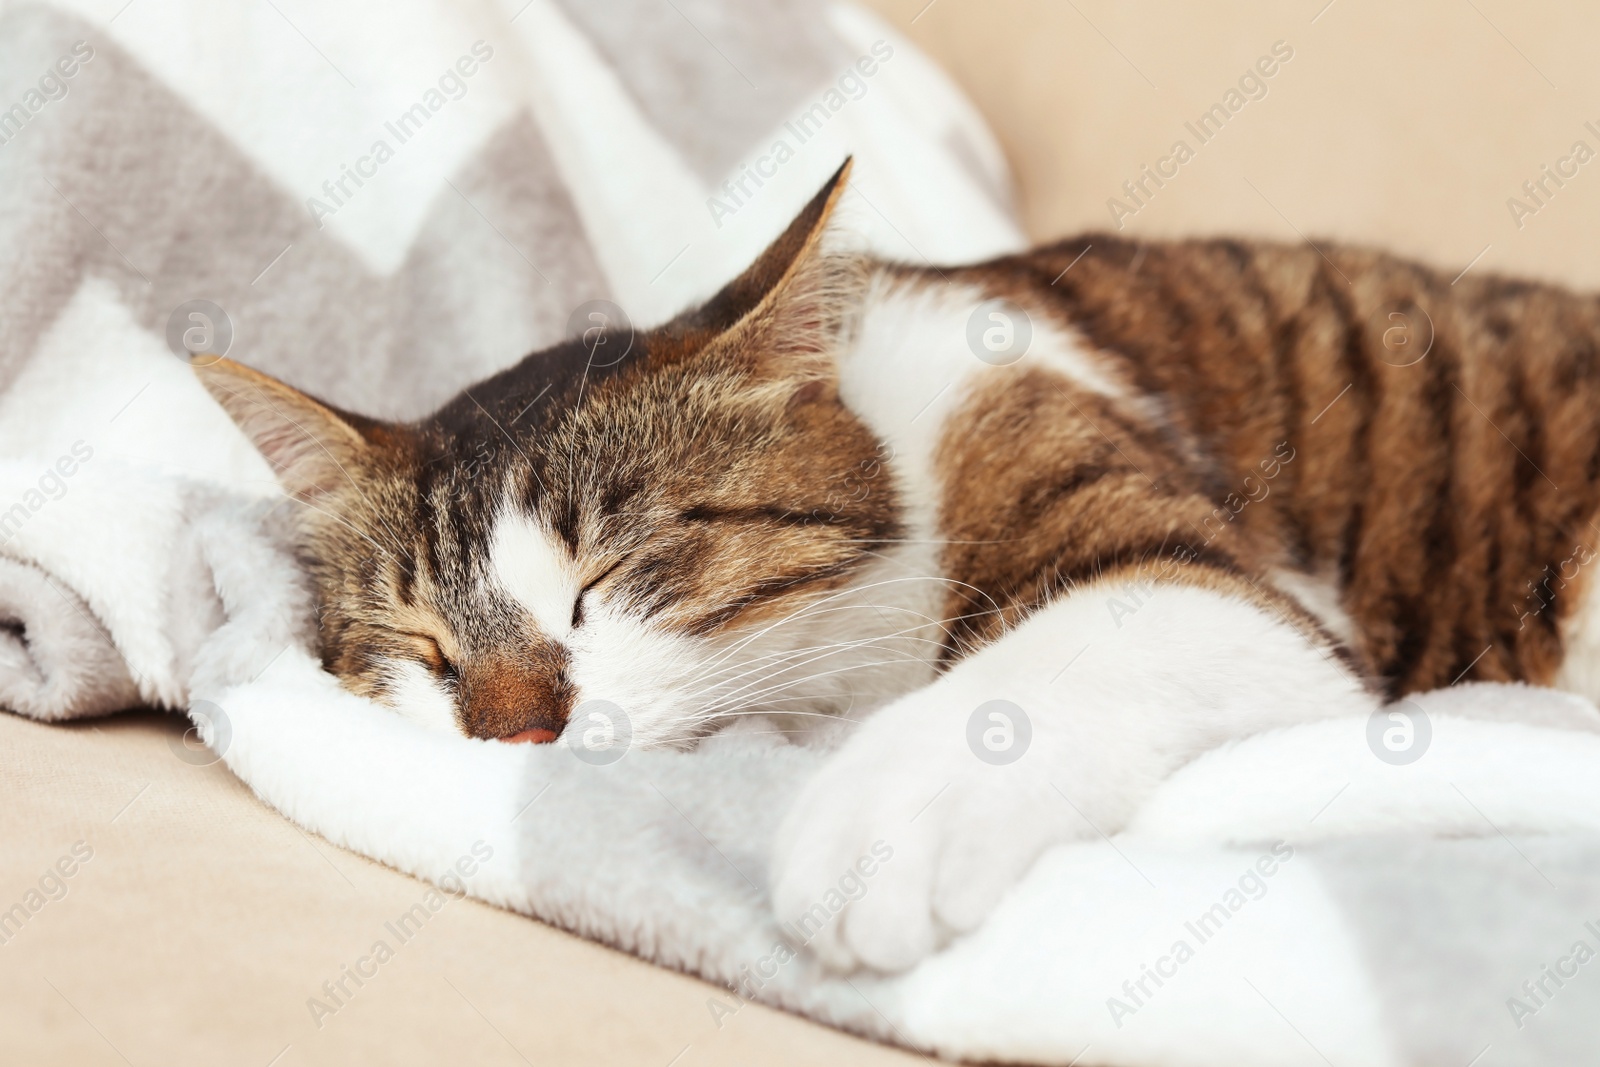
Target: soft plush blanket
{"type": "Point", "coordinates": [1417, 889]}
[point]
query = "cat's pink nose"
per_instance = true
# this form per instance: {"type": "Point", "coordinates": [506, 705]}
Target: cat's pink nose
{"type": "Point", "coordinates": [535, 736]}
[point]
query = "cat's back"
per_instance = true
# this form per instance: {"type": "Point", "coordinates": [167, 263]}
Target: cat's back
{"type": "Point", "coordinates": [1444, 428]}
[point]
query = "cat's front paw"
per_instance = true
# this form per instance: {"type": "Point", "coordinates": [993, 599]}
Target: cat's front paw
{"type": "Point", "coordinates": [913, 831]}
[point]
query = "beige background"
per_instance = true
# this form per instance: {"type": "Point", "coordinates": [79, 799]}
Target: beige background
{"type": "Point", "coordinates": [204, 921]}
{"type": "Point", "coordinates": [1404, 124]}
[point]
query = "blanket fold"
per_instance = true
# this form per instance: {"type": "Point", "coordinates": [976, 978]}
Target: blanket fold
{"type": "Point", "coordinates": [57, 661]}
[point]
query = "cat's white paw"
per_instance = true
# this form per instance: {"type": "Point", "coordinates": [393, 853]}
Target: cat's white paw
{"type": "Point", "coordinates": [908, 836]}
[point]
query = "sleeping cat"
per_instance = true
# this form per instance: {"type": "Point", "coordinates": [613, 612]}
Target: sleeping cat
{"type": "Point", "coordinates": [1045, 528]}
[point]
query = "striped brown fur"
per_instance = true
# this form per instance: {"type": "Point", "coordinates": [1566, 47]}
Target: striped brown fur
{"type": "Point", "coordinates": [1442, 496]}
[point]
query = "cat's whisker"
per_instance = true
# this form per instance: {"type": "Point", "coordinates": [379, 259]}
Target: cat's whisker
{"type": "Point", "coordinates": [927, 621]}
{"type": "Point", "coordinates": [750, 666]}
{"type": "Point", "coordinates": [816, 677]}
{"type": "Point", "coordinates": [710, 669]}
{"type": "Point", "coordinates": [805, 611]}
{"type": "Point", "coordinates": [750, 710]}
{"type": "Point", "coordinates": [994, 604]}
{"type": "Point", "coordinates": [774, 681]}
{"type": "Point", "coordinates": [732, 673]}
{"type": "Point", "coordinates": [746, 640]}
{"type": "Point", "coordinates": [745, 668]}
{"type": "Point", "coordinates": [720, 690]}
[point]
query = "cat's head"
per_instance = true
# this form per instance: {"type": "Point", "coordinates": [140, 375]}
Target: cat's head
{"type": "Point", "coordinates": [662, 531]}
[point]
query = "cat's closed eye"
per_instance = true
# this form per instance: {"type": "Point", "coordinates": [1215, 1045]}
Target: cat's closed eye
{"type": "Point", "coordinates": [577, 605]}
{"type": "Point", "coordinates": [431, 653]}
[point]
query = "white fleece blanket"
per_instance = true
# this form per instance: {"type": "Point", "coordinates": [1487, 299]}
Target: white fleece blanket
{"type": "Point", "coordinates": [1291, 899]}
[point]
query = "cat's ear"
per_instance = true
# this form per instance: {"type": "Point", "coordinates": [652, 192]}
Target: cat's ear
{"type": "Point", "coordinates": [313, 448]}
{"type": "Point", "coordinates": [785, 309]}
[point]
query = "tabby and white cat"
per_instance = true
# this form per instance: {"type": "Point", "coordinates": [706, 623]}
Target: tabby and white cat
{"type": "Point", "coordinates": [1209, 499]}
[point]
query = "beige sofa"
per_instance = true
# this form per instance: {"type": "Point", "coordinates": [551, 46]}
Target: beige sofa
{"type": "Point", "coordinates": [1408, 125]}
{"type": "Point", "coordinates": [203, 922]}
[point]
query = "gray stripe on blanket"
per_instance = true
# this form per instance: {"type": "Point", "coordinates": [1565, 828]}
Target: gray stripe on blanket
{"type": "Point", "coordinates": [1452, 930]}
{"type": "Point", "coordinates": [148, 194]}
{"type": "Point", "coordinates": [589, 830]}
{"type": "Point", "coordinates": [713, 77]}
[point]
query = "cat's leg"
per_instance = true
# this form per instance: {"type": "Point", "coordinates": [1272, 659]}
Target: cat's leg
{"type": "Point", "coordinates": [1120, 682]}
